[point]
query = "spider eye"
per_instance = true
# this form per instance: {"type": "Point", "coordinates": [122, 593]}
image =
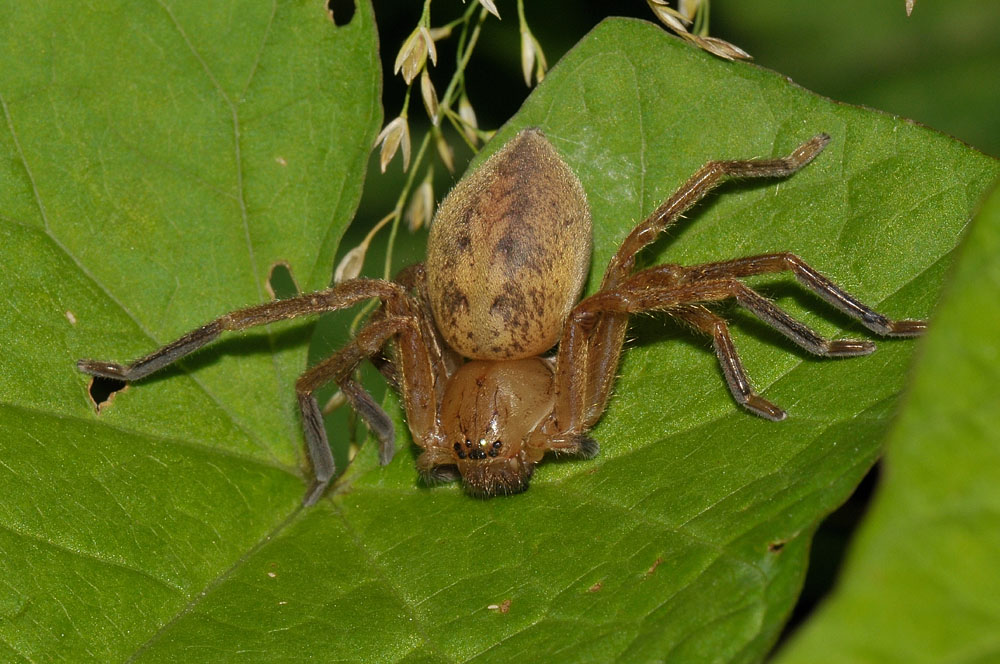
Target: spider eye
{"type": "Point", "coordinates": [477, 450]}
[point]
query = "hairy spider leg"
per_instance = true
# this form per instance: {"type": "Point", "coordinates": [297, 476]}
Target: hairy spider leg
{"type": "Point", "coordinates": [402, 321]}
{"type": "Point", "coordinates": [674, 289]}
{"type": "Point", "coordinates": [596, 328]}
{"type": "Point", "coordinates": [707, 178]}
{"type": "Point", "coordinates": [339, 368]}
{"type": "Point", "coordinates": [819, 284]}
{"type": "Point", "coordinates": [445, 360]}
{"type": "Point", "coordinates": [374, 415]}
{"type": "Point", "coordinates": [590, 348]}
{"type": "Point", "coordinates": [742, 390]}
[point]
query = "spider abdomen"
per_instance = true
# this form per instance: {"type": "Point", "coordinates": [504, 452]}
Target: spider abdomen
{"type": "Point", "coordinates": [508, 253]}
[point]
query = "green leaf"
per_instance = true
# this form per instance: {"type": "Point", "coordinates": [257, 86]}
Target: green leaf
{"type": "Point", "coordinates": [167, 527]}
{"type": "Point", "coordinates": [157, 160]}
{"type": "Point", "coordinates": [921, 584]}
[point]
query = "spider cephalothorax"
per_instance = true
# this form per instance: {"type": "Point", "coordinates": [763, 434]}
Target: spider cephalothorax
{"type": "Point", "coordinates": [496, 360]}
{"type": "Point", "coordinates": [491, 415]}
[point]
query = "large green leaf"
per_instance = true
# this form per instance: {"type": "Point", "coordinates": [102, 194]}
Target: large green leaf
{"type": "Point", "coordinates": [157, 160]}
{"type": "Point", "coordinates": [167, 528]}
{"type": "Point", "coordinates": [922, 583]}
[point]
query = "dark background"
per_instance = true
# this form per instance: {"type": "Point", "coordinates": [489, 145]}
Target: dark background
{"type": "Point", "coordinates": [941, 66]}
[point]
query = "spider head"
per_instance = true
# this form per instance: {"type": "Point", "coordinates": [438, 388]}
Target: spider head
{"type": "Point", "coordinates": [487, 469]}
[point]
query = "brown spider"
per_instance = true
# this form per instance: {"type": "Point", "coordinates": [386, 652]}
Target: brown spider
{"type": "Point", "coordinates": [508, 253]}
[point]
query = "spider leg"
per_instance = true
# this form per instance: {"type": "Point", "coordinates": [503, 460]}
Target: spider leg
{"type": "Point", "coordinates": [339, 297]}
{"type": "Point", "coordinates": [445, 360]}
{"type": "Point", "coordinates": [585, 364]}
{"type": "Point", "coordinates": [742, 390]}
{"type": "Point", "coordinates": [587, 361]}
{"type": "Point", "coordinates": [338, 368]}
{"type": "Point", "coordinates": [387, 368]}
{"type": "Point", "coordinates": [650, 290]}
{"type": "Point", "coordinates": [811, 279]}
{"type": "Point", "coordinates": [707, 178]}
{"type": "Point", "coordinates": [401, 318]}
{"type": "Point", "coordinates": [374, 415]}
{"type": "Point", "coordinates": [581, 395]}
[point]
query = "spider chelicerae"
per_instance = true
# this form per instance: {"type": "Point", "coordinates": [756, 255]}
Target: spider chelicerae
{"type": "Point", "coordinates": [496, 358]}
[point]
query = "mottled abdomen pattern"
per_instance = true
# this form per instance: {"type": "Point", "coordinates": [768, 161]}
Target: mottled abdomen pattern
{"type": "Point", "coordinates": [509, 251]}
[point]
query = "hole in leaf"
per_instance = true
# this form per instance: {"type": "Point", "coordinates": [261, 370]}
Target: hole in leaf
{"type": "Point", "coordinates": [102, 391]}
{"type": "Point", "coordinates": [280, 283]}
{"type": "Point", "coordinates": [776, 547]}
{"type": "Point", "coordinates": [341, 11]}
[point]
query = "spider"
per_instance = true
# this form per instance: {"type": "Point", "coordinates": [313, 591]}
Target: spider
{"type": "Point", "coordinates": [496, 358]}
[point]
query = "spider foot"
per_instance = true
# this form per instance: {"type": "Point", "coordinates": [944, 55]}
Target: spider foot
{"type": "Point", "coordinates": [906, 328]}
{"type": "Point", "coordinates": [848, 348]}
{"type": "Point", "coordinates": [761, 406]}
{"type": "Point", "coordinates": [587, 447]}
{"type": "Point", "coordinates": [102, 369]}
{"type": "Point", "coordinates": [579, 445]}
{"type": "Point", "coordinates": [386, 450]}
{"type": "Point", "coordinates": [315, 492]}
